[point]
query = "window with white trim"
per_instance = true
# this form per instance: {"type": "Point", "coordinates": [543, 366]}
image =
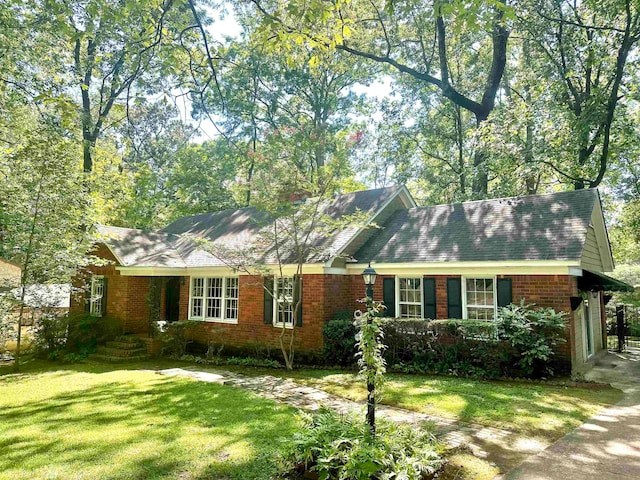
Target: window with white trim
{"type": "Point", "coordinates": [410, 297]}
{"type": "Point", "coordinates": [283, 304]}
{"type": "Point", "coordinates": [480, 297]}
{"type": "Point", "coordinates": [96, 296]}
{"type": "Point", "coordinates": [214, 299]}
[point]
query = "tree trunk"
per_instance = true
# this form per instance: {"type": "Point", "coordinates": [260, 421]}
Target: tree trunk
{"type": "Point", "coordinates": [86, 151]}
{"type": "Point", "coordinates": [480, 184]}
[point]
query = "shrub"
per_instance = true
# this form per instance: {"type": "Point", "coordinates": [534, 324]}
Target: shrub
{"type": "Point", "coordinates": [533, 334]}
{"type": "Point", "coordinates": [8, 321]}
{"type": "Point", "coordinates": [521, 342]}
{"type": "Point", "coordinates": [50, 335]}
{"type": "Point", "coordinates": [177, 337]}
{"type": "Point", "coordinates": [338, 447]}
{"type": "Point", "coordinates": [340, 339]}
{"type": "Point", "coordinates": [56, 334]}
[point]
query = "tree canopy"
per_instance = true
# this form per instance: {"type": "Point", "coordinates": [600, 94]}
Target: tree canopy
{"type": "Point", "coordinates": [154, 112]}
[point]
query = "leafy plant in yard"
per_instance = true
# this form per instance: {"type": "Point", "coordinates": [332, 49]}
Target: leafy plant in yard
{"type": "Point", "coordinates": [523, 341]}
{"type": "Point", "coordinates": [177, 337]}
{"type": "Point", "coordinates": [533, 334]}
{"type": "Point", "coordinates": [50, 335]}
{"type": "Point", "coordinates": [340, 339]}
{"type": "Point", "coordinates": [339, 447]}
{"type": "Point", "coordinates": [7, 323]}
{"type": "Point", "coordinates": [370, 349]}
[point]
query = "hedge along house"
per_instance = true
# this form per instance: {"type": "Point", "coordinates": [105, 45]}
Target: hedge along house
{"type": "Point", "coordinates": [460, 260]}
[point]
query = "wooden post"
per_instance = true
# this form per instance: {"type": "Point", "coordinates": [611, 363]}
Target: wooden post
{"type": "Point", "coordinates": [620, 327]}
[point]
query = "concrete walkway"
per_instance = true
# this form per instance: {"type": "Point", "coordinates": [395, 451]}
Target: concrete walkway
{"type": "Point", "coordinates": [503, 448]}
{"type": "Point", "coordinates": [606, 447]}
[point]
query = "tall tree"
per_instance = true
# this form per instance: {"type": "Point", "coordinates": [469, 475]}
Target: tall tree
{"type": "Point", "coordinates": [414, 38]}
{"type": "Point", "coordinates": [305, 97]}
{"type": "Point", "coordinates": [584, 50]}
{"type": "Point", "coordinates": [43, 209]}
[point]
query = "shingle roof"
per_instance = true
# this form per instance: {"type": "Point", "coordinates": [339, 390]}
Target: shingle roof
{"type": "Point", "coordinates": [142, 249]}
{"type": "Point", "coordinates": [537, 227]}
{"type": "Point", "coordinates": [231, 229]}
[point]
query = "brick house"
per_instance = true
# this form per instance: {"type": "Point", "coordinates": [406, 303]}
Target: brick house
{"type": "Point", "coordinates": [459, 260]}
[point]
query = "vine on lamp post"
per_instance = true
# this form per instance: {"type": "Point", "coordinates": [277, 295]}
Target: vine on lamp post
{"type": "Point", "coordinates": [370, 347]}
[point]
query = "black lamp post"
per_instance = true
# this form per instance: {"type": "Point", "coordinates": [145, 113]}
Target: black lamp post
{"type": "Point", "coordinates": [369, 275]}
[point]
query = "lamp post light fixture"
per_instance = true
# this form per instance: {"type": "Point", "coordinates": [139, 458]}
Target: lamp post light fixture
{"type": "Point", "coordinates": [369, 276]}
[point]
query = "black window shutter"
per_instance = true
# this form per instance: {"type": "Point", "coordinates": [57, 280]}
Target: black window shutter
{"type": "Point", "coordinates": [297, 298]}
{"type": "Point", "coordinates": [505, 296]}
{"type": "Point", "coordinates": [429, 297]}
{"type": "Point", "coordinates": [389, 296]}
{"type": "Point", "coordinates": [454, 297]}
{"type": "Point", "coordinates": [87, 297]}
{"type": "Point", "coordinates": [268, 300]}
{"type": "Point", "coordinates": [103, 303]}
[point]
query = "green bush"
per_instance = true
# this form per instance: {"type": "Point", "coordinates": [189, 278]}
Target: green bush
{"type": "Point", "coordinates": [340, 339]}
{"type": "Point", "coordinates": [56, 335]}
{"type": "Point", "coordinates": [50, 335]}
{"type": "Point", "coordinates": [177, 337]}
{"type": "Point", "coordinates": [8, 321]}
{"type": "Point", "coordinates": [522, 341]}
{"type": "Point", "coordinates": [534, 335]}
{"type": "Point", "coordinates": [338, 447]}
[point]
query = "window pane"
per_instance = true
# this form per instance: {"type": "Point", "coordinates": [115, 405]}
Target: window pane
{"type": "Point", "coordinates": [232, 309]}
{"type": "Point", "coordinates": [410, 297]}
{"type": "Point", "coordinates": [476, 313]}
{"type": "Point", "coordinates": [480, 299]}
{"type": "Point", "coordinates": [95, 298]}
{"type": "Point", "coordinates": [232, 288]}
{"type": "Point", "coordinates": [196, 307]}
{"type": "Point", "coordinates": [284, 297]}
{"type": "Point", "coordinates": [198, 287]}
{"type": "Point", "coordinates": [214, 289]}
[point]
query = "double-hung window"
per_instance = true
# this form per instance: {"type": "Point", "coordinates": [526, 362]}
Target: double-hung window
{"type": "Point", "coordinates": [479, 298]}
{"type": "Point", "coordinates": [283, 305]}
{"type": "Point", "coordinates": [96, 299]}
{"type": "Point", "coordinates": [214, 299]}
{"type": "Point", "coordinates": [409, 297]}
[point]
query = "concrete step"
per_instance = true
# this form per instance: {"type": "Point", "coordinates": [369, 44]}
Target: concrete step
{"type": "Point", "coordinates": [121, 352]}
{"type": "Point", "coordinates": [111, 359]}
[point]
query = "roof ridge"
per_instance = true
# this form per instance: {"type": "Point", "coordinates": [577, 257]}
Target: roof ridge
{"type": "Point", "coordinates": [515, 197]}
{"type": "Point", "coordinates": [157, 232]}
{"type": "Point", "coordinates": [248, 207]}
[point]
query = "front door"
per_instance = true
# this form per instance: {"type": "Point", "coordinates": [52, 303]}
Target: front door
{"type": "Point", "coordinates": [173, 299]}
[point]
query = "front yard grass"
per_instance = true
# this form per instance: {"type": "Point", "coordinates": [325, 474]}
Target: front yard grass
{"type": "Point", "coordinates": [110, 422]}
{"type": "Point", "coordinates": [533, 409]}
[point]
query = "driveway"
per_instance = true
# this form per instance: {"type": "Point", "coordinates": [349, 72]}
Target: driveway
{"type": "Point", "coordinates": [607, 446]}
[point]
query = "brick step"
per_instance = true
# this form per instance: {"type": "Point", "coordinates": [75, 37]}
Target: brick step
{"type": "Point", "coordinates": [119, 352]}
{"type": "Point", "coordinates": [128, 338]}
{"type": "Point", "coordinates": [124, 345]}
{"type": "Point", "coordinates": [111, 359]}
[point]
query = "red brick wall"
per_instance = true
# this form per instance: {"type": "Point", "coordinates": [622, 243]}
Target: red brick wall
{"type": "Point", "coordinates": [543, 290]}
{"type": "Point", "coordinates": [549, 291]}
{"type": "Point", "coordinates": [322, 296]}
{"type": "Point", "coordinates": [126, 296]}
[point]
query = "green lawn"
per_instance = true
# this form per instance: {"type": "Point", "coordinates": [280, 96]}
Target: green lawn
{"type": "Point", "coordinates": [530, 408]}
{"type": "Point", "coordinates": [105, 422]}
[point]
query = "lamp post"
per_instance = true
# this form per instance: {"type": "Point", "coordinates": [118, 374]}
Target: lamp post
{"type": "Point", "coordinates": [369, 276]}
